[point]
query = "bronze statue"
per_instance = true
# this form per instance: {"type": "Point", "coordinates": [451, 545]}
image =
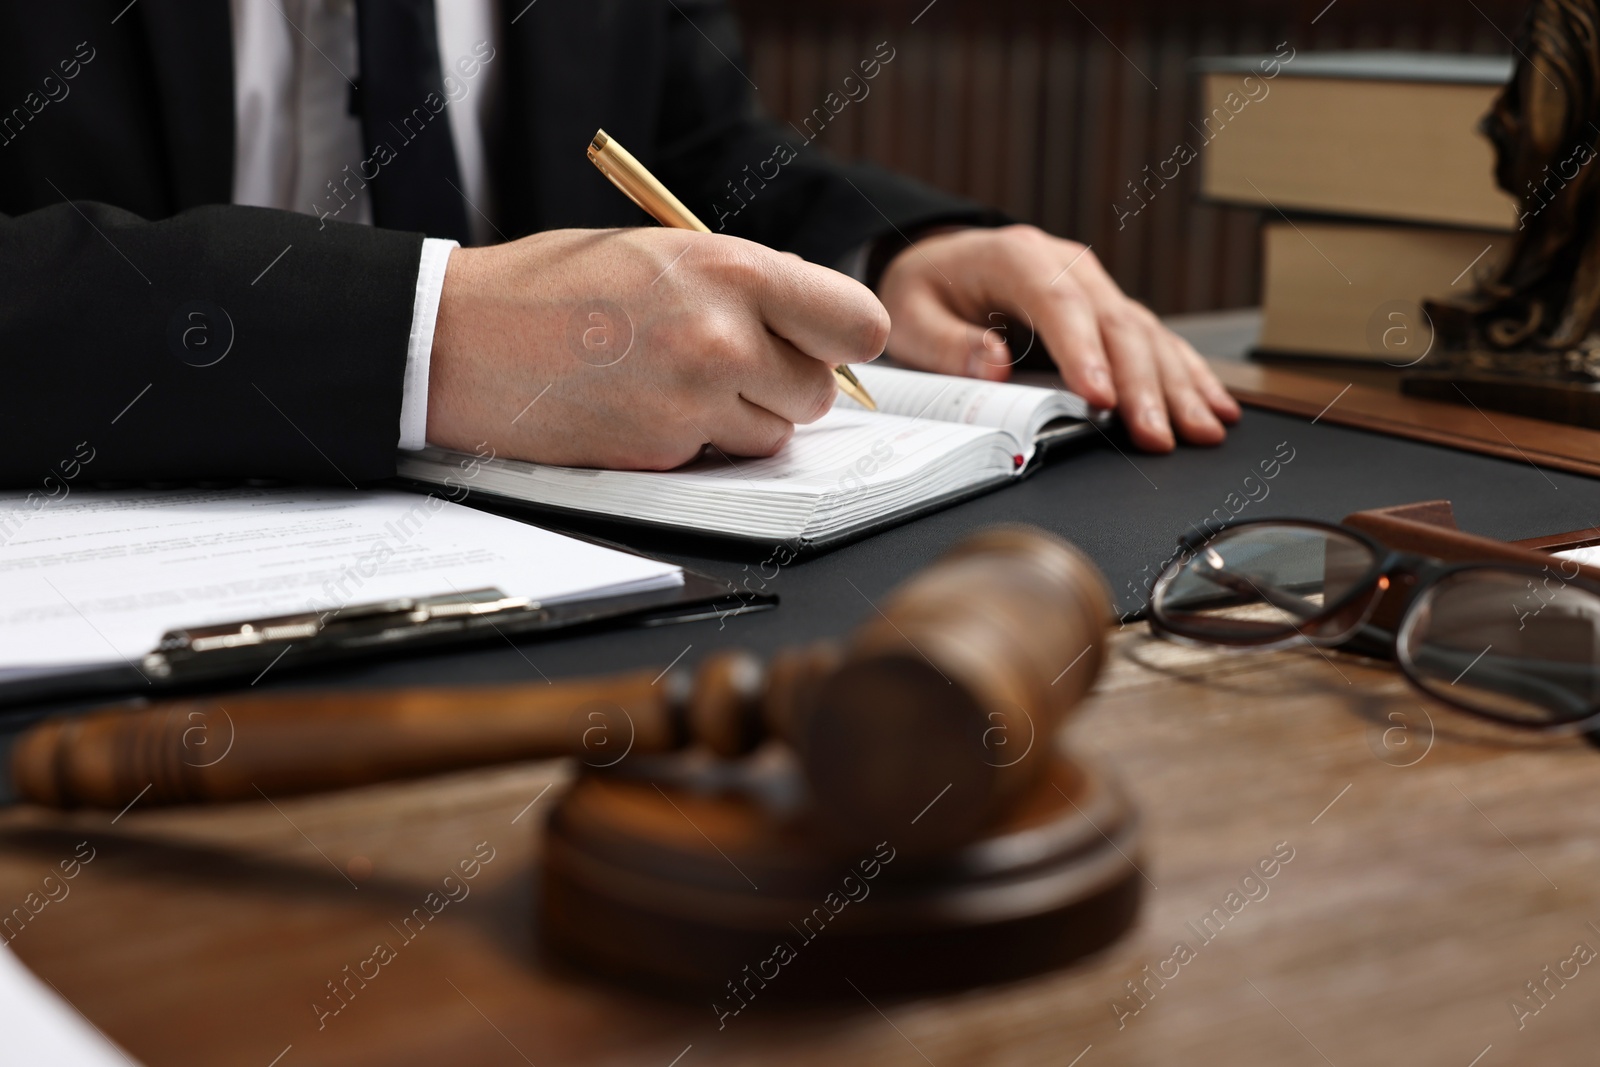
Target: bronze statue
{"type": "Point", "coordinates": [1527, 338]}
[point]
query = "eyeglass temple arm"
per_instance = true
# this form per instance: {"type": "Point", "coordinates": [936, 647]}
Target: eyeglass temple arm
{"type": "Point", "coordinates": [1370, 640]}
{"type": "Point", "coordinates": [1281, 599]}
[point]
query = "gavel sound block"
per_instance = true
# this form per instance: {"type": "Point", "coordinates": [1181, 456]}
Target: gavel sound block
{"type": "Point", "coordinates": [708, 894]}
{"type": "Point", "coordinates": [946, 841]}
{"type": "Point", "coordinates": [928, 737]}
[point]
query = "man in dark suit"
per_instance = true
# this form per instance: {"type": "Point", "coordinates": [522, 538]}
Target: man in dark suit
{"type": "Point", "coordinates": [191, 290]}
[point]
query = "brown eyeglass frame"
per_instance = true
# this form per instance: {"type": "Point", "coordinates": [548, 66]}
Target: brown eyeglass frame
{"type": "Point", "coordinates": [1421, 573]}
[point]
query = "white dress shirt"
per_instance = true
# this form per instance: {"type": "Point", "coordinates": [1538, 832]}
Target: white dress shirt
{"type": "Point", "coordinates": [294, 64]}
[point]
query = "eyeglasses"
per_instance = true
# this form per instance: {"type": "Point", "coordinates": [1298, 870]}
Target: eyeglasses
{"type": "Point", "coordinates": [1508, 642]}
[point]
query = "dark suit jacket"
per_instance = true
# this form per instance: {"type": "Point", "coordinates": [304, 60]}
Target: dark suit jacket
{"type": "Point", "coordinates": [124, 271]}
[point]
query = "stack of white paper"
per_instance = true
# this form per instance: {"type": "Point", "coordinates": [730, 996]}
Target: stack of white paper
{"type": "Point", "coordinates": [98, 577]}
{"type": "Point", "coordinates": [41, 1028]}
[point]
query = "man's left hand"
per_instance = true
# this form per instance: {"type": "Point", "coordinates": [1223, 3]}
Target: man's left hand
{"type": "Point", "coordinates": [951, 294]}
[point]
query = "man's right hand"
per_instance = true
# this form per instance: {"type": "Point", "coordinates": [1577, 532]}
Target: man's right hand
{"type": "Point", "coordinates": [636, 348]}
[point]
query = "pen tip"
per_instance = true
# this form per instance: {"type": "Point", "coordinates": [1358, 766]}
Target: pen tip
{"type": "Point", "coordinates": [599, 141]}
{"type": "Point", "coordinates": [851, 386]}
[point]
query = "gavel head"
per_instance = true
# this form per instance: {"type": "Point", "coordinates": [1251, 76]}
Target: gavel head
{"type": "Point", "coordinates": [944, 707]}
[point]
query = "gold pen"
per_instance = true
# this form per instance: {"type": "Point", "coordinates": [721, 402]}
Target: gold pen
{"type": "Point", "coordinates": [640, 186]}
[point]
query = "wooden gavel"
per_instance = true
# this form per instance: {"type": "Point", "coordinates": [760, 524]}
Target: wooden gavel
{"type": "Point", "coordinates": [940, 709]}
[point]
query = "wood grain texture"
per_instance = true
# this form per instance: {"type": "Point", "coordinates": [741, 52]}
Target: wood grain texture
{"type": "Point", "coordinates": [1382, 409]}
{"type": "Point", "coordinates": [1419, 900]}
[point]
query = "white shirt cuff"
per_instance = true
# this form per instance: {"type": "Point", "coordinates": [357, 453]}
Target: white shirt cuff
{"type": "Point", "coordinates": [419, 348]}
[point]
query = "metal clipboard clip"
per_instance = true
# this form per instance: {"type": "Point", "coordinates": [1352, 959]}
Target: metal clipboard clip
{"type": "Point", "coordinates": [230, 647]}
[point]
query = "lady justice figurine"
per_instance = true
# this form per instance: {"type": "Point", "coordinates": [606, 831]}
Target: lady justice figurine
{"type": "Point", "coordinates": [1527, 338]}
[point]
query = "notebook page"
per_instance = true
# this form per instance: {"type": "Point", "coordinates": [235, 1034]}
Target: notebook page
{"type": "Point", "coordinates": [1020, 410]}
{"type": "Point", "coordinates": [1588, 557]}
{"type": "Point", "coordinates": [848, 463]}
{"type": "Point", "coordinates": [100, 576]}
{"type": "Point", "coordinates": [825, 452]}
{"type": "Point", "coordinates": [844, 452]}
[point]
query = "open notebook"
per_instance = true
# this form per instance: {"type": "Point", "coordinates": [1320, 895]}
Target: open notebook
{"type": "Point", "coordinates": [934, 440]}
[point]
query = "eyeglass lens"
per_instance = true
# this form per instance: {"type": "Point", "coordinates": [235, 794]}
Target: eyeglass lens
{"type": "Point", "coordinates": [1260, 584]}
{"type": "Point", "coordinates": [1515, 646]}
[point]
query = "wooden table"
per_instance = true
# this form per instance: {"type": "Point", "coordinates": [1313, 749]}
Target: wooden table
{"type": "Point", "coordinates": [1366, 394]}
{"type": "Point", "coordinates": [1433, 874]}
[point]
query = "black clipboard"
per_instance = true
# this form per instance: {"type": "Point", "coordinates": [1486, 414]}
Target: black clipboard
{"type": "Point", "coordinates": [244, 650]}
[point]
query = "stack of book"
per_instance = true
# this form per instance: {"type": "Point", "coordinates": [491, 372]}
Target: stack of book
{"type": "Point", "coordinates": [1376, 188]}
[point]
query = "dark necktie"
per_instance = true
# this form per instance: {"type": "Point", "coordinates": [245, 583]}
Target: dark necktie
{"type": "Point", "coordinates": [418, 183]}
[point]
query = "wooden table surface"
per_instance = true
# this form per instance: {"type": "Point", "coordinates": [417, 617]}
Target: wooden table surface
{"type": "Point", "coordinates": [1433, 875]}
{"type": "Point", "coordinates": [1366, 394]}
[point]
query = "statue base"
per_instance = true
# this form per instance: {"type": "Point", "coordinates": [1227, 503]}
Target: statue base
{"type": "Point", "coordinates": [1555, 386]}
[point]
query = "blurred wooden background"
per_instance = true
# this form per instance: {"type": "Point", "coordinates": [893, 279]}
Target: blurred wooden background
{"type": "Point", "coordinates": [1048, 108]}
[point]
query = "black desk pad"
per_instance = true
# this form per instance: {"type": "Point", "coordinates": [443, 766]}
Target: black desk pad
{"type": "Point", "coordinates": [1123, 508]}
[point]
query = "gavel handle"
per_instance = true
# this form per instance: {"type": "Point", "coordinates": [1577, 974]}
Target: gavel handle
{"type": "Point", "coordinates": [239, 748]}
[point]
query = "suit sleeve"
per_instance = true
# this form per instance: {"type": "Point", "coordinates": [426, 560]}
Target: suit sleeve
{"type": "Point", "coordinates": [749, 176]}
{"type": "Point", "coordinates": [218, 344]}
